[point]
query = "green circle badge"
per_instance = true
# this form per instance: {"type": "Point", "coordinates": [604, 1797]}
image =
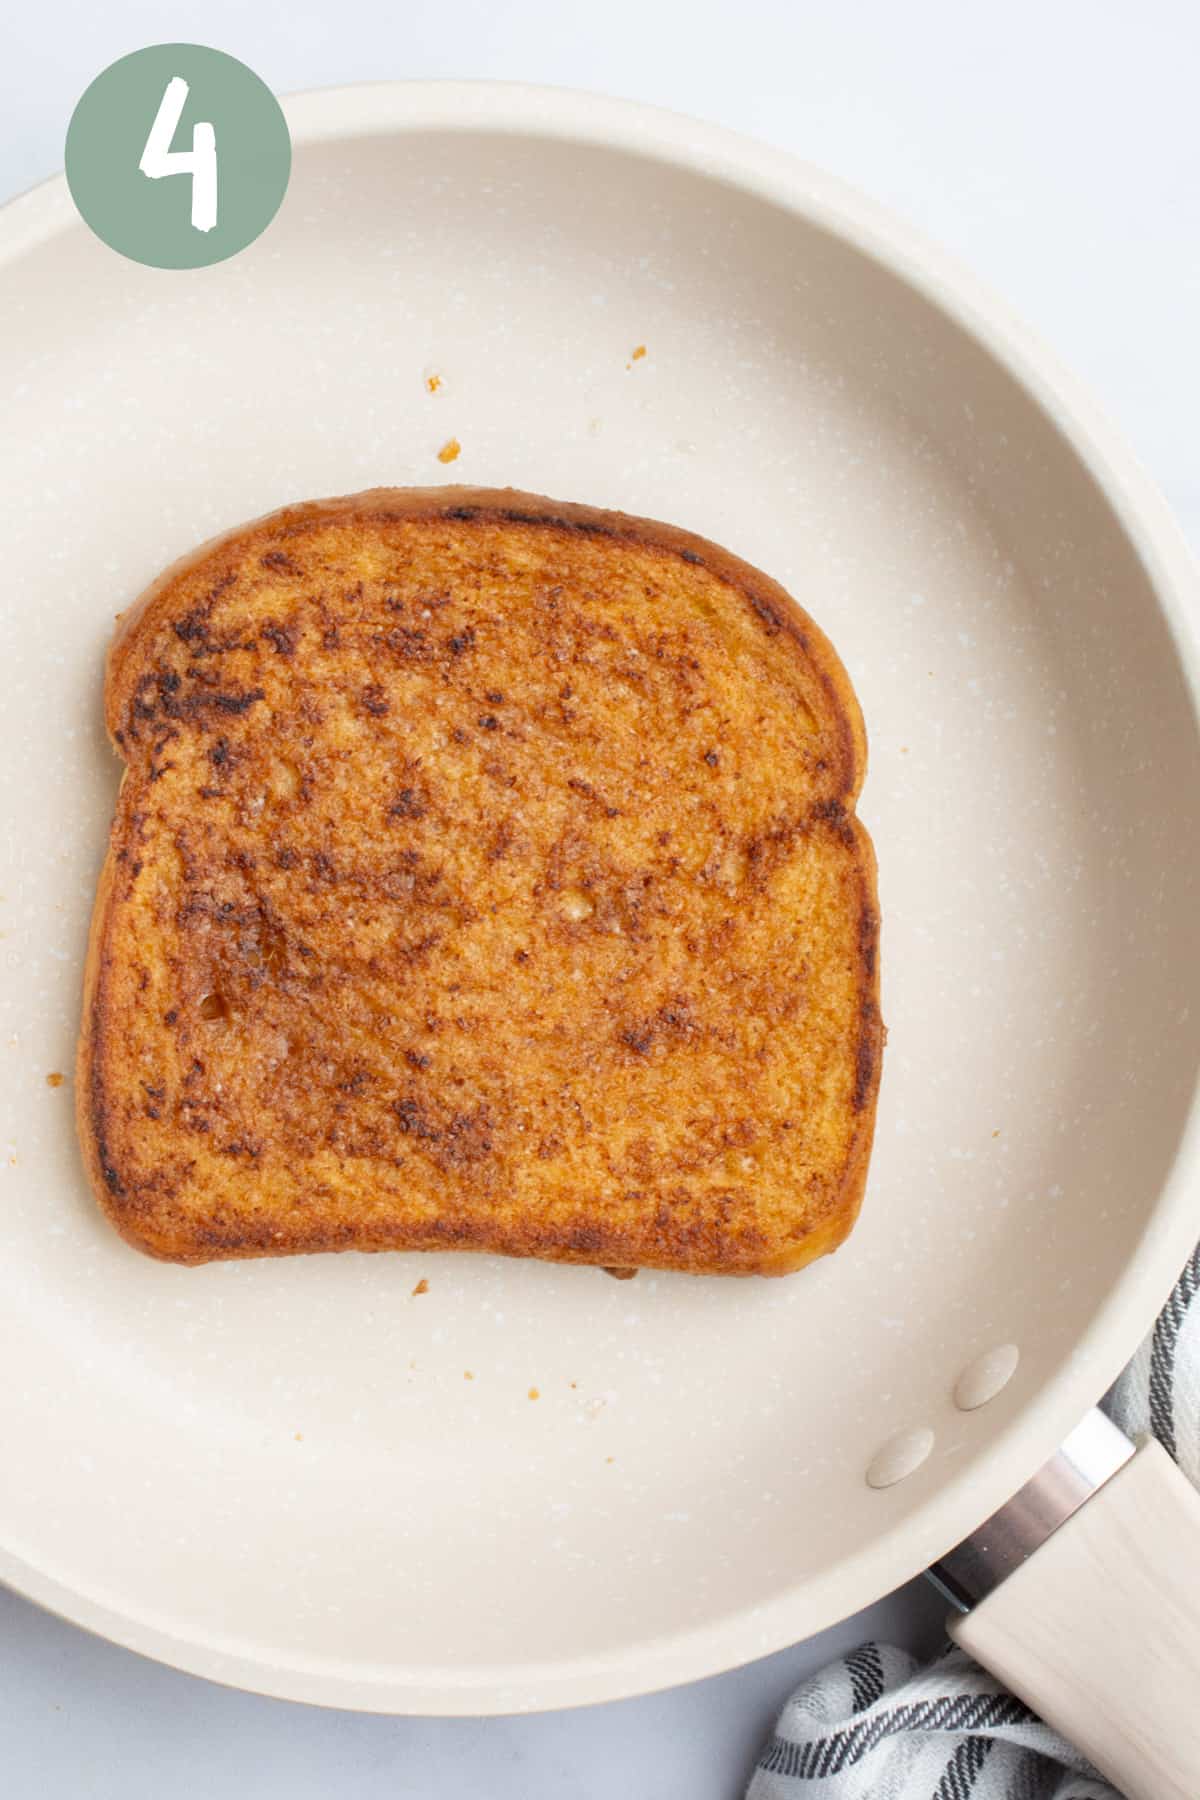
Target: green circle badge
{"type": "Point", "coordinates": [178, 156]}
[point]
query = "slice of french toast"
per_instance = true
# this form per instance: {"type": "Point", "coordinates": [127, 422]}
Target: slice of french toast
{"type": "Point", "coordinates": [484, 876]}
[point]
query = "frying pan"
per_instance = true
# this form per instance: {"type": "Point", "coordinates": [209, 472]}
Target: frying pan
{"type": "Point", "coordinates": [275, 1474]}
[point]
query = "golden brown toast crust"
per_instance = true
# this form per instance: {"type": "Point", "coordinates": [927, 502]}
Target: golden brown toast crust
{"type": "Point", "coordinates": [484, 876]}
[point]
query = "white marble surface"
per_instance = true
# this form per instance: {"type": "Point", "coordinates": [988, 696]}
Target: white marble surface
{"type": "Point", "coordinates": [82, 1720]}
{"type": "Point", "coordinates": [1056, 149]}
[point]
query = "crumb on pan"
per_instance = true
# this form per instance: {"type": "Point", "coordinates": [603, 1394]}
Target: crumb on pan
{"type": "Point", "coordinates": [55, 1079]}
{"type": "Point", "coordinates": [433, 383]}
{"type": "Point", "coordinates": [450, 451]}
{"type": "Point", "coordinates": [422, 1287]}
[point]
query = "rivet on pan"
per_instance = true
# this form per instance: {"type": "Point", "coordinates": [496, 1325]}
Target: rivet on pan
{"type": "Point", "coordinates": [897, 1459]}
{"type": "Point", "coordinates": [983, 1378]}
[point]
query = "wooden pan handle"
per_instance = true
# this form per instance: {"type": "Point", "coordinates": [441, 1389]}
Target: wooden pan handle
{"type": "Point", "coordinates": [1099, 1631]}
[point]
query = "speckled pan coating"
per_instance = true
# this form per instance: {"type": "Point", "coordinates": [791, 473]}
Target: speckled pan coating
{"type": "Point", "coordinates": [275, 1473]}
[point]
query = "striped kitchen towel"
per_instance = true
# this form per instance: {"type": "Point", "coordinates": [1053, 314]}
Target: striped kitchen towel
{"type": "Point", "coordinates": [875, 1726]}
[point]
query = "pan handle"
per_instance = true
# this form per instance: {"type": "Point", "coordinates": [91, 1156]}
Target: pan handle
{"type": "Point", "coordinates": [1098, 1627]}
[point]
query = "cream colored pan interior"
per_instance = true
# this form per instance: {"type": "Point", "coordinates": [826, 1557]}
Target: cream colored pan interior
{"type": "Point", "coordinates": [276, 1474]}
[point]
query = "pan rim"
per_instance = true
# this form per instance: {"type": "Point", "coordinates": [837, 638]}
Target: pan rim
{"type": "Point", "coordinates": [896, 1554]}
